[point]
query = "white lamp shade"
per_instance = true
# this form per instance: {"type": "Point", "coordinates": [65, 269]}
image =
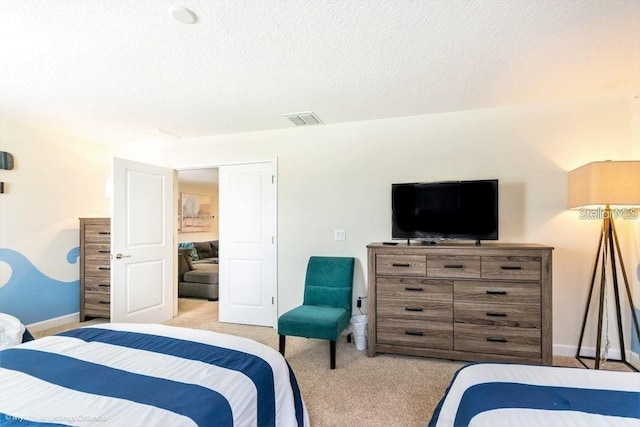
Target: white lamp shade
{"type": "Point", "coordinates": [605, 183]}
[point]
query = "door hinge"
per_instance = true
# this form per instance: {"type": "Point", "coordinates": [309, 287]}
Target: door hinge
{"type": "Point", "coordinates": [272, 300]}
{"type": "Point", "coordinates": [273, 179]}
{"type": "Point", "coordinates": [273, 240]}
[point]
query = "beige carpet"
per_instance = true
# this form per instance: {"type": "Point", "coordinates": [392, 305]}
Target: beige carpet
{"type": "Point", "coordinates": [386, 390]}
{"type": "Point", "coordinates": [382, 391]}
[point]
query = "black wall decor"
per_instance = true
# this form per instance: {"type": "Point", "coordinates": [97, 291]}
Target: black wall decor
{"type": "Point", "coordinates": [6, 160]}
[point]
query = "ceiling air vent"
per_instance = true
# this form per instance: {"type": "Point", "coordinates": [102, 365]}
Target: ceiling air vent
{"type": "Point", "coordinates": [303, 119]}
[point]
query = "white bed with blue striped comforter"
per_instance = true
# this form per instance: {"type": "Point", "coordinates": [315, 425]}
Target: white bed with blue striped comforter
{"type": "Point", "coordinates": [511, 395]}
{"type": "Point", "coordinates": [147, 375]}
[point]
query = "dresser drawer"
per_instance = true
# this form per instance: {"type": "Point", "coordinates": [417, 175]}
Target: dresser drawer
{"type": "Point", "coordinates": [93, 268]}
{"type": "Point", "coordinates": [418, 289]}
{"type": "Point", "coordinates": [511, 267]}
{"type": "Point", "coordinates": [497, 292]}
{"type": "Point", "coordinates": [97, 284]}
{"type": "Point", "coordinates": [503, 340]}
{"type": "Point", "coordinates": [415, 309]}
{"type": "Point", "coordinates": [97, 233]}
{"type": "Point", "coordinates": [415, 334]}
{"type": "Point", "coordinates": [97, 304]}
{"type": "Point", "coordinates": [97, 252]}
{"type": "Point", "coordinates": [453, 266]}
{"type": "Point", "coordinates": [401, 265]}
{"type": "Point", "coordinates": [513, 315]}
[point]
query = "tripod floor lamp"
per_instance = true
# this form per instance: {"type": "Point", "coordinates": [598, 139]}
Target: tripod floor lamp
{"type": "Point", "coordinates": [600, 187]}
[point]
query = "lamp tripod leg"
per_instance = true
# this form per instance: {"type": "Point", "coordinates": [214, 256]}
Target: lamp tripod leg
{"type": "Point", "coordinates": [603, 285]}
{"type": "Point", "coordinates": [586, 310]}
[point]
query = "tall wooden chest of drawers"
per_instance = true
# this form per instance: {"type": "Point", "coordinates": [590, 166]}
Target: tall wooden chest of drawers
{"type": "Point", "coordinates": [461, 301]}
{"type": "Point", "coordinates": [95, 267]}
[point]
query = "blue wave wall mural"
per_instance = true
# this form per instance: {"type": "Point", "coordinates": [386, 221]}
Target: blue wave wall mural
{"type": "Point", "coordinates": [31, 295]}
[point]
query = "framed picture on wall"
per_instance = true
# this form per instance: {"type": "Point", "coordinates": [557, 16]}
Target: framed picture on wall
{"type": "Point", "coordinates": [195, 215]}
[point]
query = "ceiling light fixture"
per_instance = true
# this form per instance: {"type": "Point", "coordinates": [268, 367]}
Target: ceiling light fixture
{"type": "Point", "coordinates": [303, 119]}
{"type": "Point", "coordinates": [182, 14]}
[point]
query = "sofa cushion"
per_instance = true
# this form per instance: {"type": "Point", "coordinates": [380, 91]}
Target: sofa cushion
{"type": "Point", "coordinates": [204, 273]}
{"type": "Point", "coordinates": [204, 249]}
{"type": "Point", "coordinates": [186, 257]}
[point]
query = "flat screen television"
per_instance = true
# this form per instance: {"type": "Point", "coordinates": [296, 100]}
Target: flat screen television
{"type": "Point", "coordinates": [432, 211]}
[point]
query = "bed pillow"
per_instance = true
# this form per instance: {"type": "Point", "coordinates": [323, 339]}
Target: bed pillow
{"type": "Point", "coordinates": [11, 331]}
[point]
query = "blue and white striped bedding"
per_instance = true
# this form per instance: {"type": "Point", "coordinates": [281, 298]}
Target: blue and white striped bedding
{"type": "Point", "coordinates": [151, 375]}
{"type": "Point", "coordinates": [510, 395]}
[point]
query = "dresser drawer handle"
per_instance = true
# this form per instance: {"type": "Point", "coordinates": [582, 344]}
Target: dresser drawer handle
{"type": "Point", "coordinates": [496, 292]}
{"type": "Point", "coordinates": [413, 309]}
{"type": "Point", "coordinates": [454, 266]}
{"type": "Point", "coordinates": [102, 285]}
{"type": "Point", "coordinates": [104, 232]}
{"type": "Point", "coordinates": [400, 264]}
{"type": "Point", "coordinates": [104, 268]}
{"type": "Point", "coordinates": [104, 252]}
{"type": "Point", "coordinates": [414, 333]}
{"type": "Point", "coordinates": [103, 302]}
{"type": "Point", "coordinates": [511, 267]}
{"type": "Point", "coordinates": [413, 289]}
{"type": "Point", "coordinates": [492, 339]}
{"type": "Point", "coordinates": [496, 314]}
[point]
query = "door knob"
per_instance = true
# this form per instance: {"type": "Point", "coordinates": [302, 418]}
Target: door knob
{"type": "Point", "coordinates": [118, 256]}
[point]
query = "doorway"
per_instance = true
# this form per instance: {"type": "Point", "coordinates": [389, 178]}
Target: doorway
{"type": "Point", "coordinates": [198, 234]}
{"type": "Point", "coordinates": [243, 222]}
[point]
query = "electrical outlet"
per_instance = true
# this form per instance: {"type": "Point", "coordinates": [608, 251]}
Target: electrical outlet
{"type": "Point", "coordinates": [359, 303]}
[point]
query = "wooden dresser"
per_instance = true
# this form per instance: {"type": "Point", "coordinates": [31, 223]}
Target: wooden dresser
{"type": "Point", "coordinates": [95, 267]}
{"type": "Point", "coordinates": [461, 301]}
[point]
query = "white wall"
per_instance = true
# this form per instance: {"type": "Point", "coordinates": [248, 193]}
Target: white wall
{"type": "Point", "coordinates": [56, 180]}
{"type": "Point", "coordinates": [339, 177]}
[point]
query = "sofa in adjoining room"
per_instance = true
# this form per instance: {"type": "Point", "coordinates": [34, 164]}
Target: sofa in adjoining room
{"type": "Point", "coordinates": [198, 270]}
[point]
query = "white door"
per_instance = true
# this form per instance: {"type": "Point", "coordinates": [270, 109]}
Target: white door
{"type": "Point", "coordinates": [247, 271]}
{"type": "Point", "coordinates": [142, 223]}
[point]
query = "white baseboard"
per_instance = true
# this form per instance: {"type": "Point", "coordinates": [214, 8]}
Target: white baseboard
{"type": "Point", "coordinates": [54, 323]}
{"type": "Point", "coordinates": [614, 353]}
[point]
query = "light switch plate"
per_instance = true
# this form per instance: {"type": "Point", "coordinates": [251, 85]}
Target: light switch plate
{"type": "Point", "coordinates": [339, 235]}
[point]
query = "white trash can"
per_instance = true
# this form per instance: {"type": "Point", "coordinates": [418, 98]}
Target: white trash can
{"type": "Point", "coordinates": [359, 330]}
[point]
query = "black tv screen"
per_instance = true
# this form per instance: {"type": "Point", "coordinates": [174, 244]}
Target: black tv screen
{"type": "Point", "coordinates": [445, 210]}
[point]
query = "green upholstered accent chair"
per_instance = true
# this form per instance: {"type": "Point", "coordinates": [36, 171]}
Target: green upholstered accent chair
{"type": "Point", "coordinates": [326, 309]}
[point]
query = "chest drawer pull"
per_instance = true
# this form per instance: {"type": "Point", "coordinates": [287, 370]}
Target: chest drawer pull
{"type": "Point", "coordinates": [408, 288]}
{"type": "Point", "coordinates": [104, 268]}
{"type": "Point", "coordinates": [496, 292]}
{"type": "Point", "coordinates": [496, 314]}
{"type": "Point", "coordinates": [413, 309]}
{"type": "Point", "coordinates": [414, 333]}
{"type": "Point", "coordinates": [492, 339]}
{"type": "Point", "coordinates": [510, 267]}
{"type": "Point", "coordinates": [102, 285]}
{"type": "Point", "coordinates": [104, 232]}
{"type": "Point", "coordinates": [454, 266]}
{"type": "Point", "coordinates": [104, 252]}
{"type": "Point", "coordinates": [103, 302]}
{"type": "Point", "coordinates": [401, 264]}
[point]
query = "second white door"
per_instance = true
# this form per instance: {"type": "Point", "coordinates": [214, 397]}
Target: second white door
{"type": "Point", "coordinates": [247, 272]}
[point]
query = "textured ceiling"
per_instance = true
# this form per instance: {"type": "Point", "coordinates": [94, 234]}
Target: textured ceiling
{"type": "Point", "coordinates": [114, 69]}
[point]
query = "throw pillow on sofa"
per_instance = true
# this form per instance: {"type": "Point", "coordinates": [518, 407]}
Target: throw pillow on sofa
{"type": "Point", "coordinates": [192, 248]}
